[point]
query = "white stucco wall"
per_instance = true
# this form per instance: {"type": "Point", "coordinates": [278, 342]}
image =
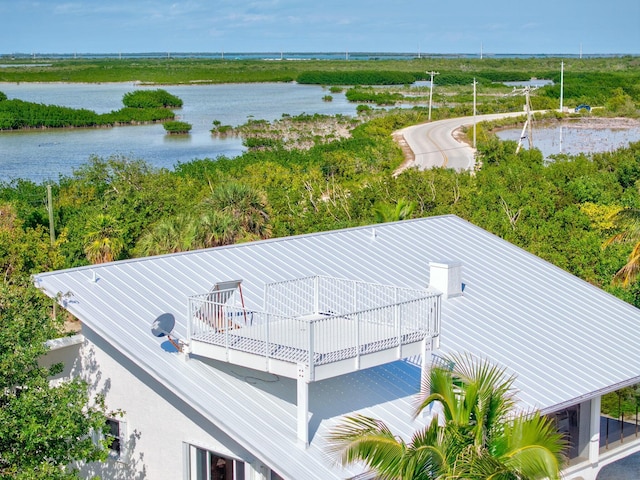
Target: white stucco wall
{"type": "Point", "coordinates": [158, 424]}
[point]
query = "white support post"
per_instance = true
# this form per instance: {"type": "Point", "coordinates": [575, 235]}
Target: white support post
{"type": "Point", "coordinates": [425, 364]}
{"type": "Point", "coordinates": [594, 432]}
{"type": "Point", "coordinates": [303, 407]}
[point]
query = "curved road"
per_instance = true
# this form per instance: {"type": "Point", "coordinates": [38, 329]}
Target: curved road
{"type": "Point", "coordinates": [434, 145]}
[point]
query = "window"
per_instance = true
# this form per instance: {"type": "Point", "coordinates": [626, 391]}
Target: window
{"type": "Point", "coordinates": [114, 432]}
{"type": "Point", "coordinates": [206, 465]}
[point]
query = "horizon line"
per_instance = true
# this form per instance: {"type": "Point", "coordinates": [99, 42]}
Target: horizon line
{"type": "Point", "coordinates": [303, 52]}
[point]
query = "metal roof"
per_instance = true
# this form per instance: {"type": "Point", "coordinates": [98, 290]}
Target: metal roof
{"type": "Point", "coordinates": [563, 338]}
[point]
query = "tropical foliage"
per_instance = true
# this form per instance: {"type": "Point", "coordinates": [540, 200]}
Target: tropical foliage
{"type": "Point", "coordinates": [175, 127]}
{"type": "Point", "coordinates": [378, 97]}
{"type": "Point", "coordinates": [402, 210]}
{"type": "Point", "coordinates": [103, 239]}
{"type": "Point", "coordinates": [627, 222]}
{"type": "Point", "coordinates": [476, 433]}
{"type": "Point", "coordinates": [18, 114]}
{"type": "Point", "coordinates": [43, 427]}
{"type": "Point", "coordinates": [158, 98]}
{"type": "Point", "coordinates": [586, 77]}
{"type": "Point", "coordinates": [370, 77]}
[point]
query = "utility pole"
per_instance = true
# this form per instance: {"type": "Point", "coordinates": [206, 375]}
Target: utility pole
{"type": "Point", "coordinates": [52, 232]}
{"type": "Point", "coordinates": [528, 122]}
{"type": "Point", "coordinates": [432, 73]}
{"type": "Point", "coordinates": [474, 111]}
{"type": "Point", "coordinates": [52, 235]}
{"type": "Point", "coordinates": [561, 85]}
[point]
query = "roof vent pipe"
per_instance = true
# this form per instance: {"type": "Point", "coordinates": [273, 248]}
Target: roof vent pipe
{"type": "Point", "coordinates": [446, 276]}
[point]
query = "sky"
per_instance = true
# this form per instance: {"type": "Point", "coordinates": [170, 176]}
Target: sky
{"type": "Point", "coordinates": [397, 26]}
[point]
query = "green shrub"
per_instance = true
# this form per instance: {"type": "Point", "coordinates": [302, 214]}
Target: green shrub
{"type": "Point", "coordinates": [151, 99]}
{"type": "Point", "coordinates": [135, 115]}
{"type": "Point", "coordinates": [221, 130]}
{"type": "Point", "coordinates": [371, 95]}
{"type": "Point", "coordinates": [363, 77]}
{"type": "Point", "coordinates": [176, 127]}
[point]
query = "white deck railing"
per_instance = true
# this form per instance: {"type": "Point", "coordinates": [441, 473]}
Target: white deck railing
{"type": "Point", "coordinates": [311, 326]}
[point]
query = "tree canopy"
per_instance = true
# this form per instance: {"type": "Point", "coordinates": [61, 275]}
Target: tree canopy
{"type": "Point", "coordinates": [43, 427]}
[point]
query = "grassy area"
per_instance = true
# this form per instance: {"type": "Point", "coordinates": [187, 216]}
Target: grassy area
{"type": "Point", "coordinates": [184, 71]}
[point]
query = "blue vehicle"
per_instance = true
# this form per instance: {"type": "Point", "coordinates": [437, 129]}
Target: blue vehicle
{"type": "Point", "coordinates": [583, 106]}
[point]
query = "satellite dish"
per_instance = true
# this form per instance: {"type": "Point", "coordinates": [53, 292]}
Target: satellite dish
{"type": "Point", "coordinates": [163, 325]}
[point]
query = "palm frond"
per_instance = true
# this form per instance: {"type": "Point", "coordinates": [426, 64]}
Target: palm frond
{"type": "Point", "coordinates": [629, 272]}
{"type": "Point", "coordinates": [365, 439]}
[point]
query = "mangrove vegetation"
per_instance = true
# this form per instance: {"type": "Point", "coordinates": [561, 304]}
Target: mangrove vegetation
{"type": "Point", "coordinates": [141, 106]}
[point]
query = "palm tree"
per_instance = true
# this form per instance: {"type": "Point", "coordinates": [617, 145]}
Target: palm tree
{"type": "Point", "coordinates": [187, 232]}
{"type": "Point", "coordinates": [477, 435]}
{"type": "Point", "coordinates": [103, 239]}
{"type": "Point", "coordinates": [213, 228]}
{"type": "Point", "coordinates": [628, 220]}
{"type": "Point", "coordinates": [246, 204]}
{"type": "Point", "coordinates": [165, 236]}
{"type": "Point", "coordinates": [385, 212]}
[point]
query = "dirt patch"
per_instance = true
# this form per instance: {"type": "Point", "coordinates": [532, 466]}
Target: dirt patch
{"type": "Point", "coordinates": [301, 132]}
{"type": "Point", "coordinates": [409, 156]}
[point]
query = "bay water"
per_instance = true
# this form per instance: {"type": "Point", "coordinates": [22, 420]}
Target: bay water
{"type": "Point", "coordinates": [44, 154]}
{"type": "Point", "coordinates": [599, 135]}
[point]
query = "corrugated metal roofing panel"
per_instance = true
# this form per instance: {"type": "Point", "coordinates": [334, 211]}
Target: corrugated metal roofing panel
{"type": "Point", "coordinates": [563, 338]}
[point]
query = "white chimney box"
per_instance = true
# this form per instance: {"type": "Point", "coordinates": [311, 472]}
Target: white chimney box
{"type": "Point", "coordinates": [446, 276]}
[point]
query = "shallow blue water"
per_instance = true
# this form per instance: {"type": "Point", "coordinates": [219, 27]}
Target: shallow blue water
{"type": "Point", "coordinates": [46, 154]}
{"type": "Point", "coordinates": [572, 140]}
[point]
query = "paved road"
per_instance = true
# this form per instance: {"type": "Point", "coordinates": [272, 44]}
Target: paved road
{"type": "Point", "coordinates": [433, 143]}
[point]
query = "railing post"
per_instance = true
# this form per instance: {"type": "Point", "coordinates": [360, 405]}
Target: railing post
{"type": "Point", "coordinates": [189, 316]}
{"type": "Point", "coordinates": [312, 372]}
{"type": "Point", "coordinates": [355, 296]}
{"type": "Point", "coordinates": [226, 332]}
{"type": "Point", "coordinates": [398, 321]}
{"type": "Point", "coordinates": [357, 341]}
{"type": "Point", "coordinates": [267, 339]}
{"type": "Point", "coordinates": [316, 294]}
{"type": "Point", "coordinates": [435, 320]}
